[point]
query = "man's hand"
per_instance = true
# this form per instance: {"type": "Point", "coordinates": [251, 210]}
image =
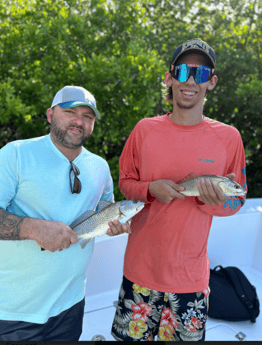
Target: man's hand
{"type": "Point", "coordinates": [210, 193]}
{"type": "Point", "coordinates": [49, 235]}
{"type": "Point", "coordinates": [116, 228]}
{"type": "Point", "coordinates": [166, 190]}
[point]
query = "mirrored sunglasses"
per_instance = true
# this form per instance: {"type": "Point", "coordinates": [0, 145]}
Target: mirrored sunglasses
{"type": "Point", "coordinates": [76, 186]}
{"type": "Point", "coordinates": [200, 73]}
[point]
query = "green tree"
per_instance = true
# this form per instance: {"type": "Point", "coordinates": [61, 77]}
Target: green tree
{"type": "Point", "coordinates": [88, 43]}
{"type": "Point", "coordinates": [233, 29]}
{"type": "Point", "coordinates": [119, 51]}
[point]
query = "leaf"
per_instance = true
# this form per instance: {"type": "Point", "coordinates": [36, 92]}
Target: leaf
{"type": "Point", "coordinates": [150, 323]}
{"type": "Point", "coordinates": [120, 50]}
{"type": "Point", "coordinates": [121, 293]}
{"type": "Point", "coordinates": [155, 296]}
{"type": "Point", "coordinates": [128, 303]}
{"type": "Point", "coordinates": [191, 335]}
{"type": "Point", "coordinates": [191, 304]}
{"type": "Point", "coordinates": [137, 298]}
{"type": "Point", "coordinates": [121, 323]}
{"type": "Point", "coordinates": [198, 294]}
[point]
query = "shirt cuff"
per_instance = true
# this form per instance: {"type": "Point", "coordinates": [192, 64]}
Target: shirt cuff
{"type": "Point", "coordinates": [199, 202]}
{"type": "Point", "coordinates": [150, 197]}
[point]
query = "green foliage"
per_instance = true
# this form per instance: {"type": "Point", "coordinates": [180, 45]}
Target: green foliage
{"type": "Point", "coordinates": [119, 51]}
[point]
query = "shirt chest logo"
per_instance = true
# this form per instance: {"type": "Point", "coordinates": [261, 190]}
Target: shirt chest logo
{"type": "Point", "coordinates": [206, 160]}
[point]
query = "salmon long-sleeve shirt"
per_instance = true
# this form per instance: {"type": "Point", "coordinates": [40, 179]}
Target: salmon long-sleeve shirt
{"type": "Point", "coordinates": [167, 247]}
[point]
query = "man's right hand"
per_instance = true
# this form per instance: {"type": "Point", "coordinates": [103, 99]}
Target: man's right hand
{"type": "Point", "coordinates": [50, 235]}
{"type": "Point", "coordinates": [165, 190]}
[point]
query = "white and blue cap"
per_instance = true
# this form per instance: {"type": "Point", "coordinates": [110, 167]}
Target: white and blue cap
{"type": "Point", "coordinates": [74, 96]}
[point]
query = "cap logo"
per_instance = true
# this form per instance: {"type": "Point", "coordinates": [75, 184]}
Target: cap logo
{"type": "Point", "coordinates": [196, 43]}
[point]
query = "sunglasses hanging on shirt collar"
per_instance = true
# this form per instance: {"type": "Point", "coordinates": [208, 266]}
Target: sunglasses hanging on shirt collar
{"type": "Point", "coordinates": [76, 186]}
{"type": "Point", "coordinates": [200, 73]}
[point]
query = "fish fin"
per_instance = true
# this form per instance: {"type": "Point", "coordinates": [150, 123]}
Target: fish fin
{"type": "Point", "coordinates": [84, 242]}
{"type": "Point", "coordinates": [81, 218]}
{"type": "Point", "coordinates": [188, 177]}
{"type": "Point", "coordinates": [103, 204]}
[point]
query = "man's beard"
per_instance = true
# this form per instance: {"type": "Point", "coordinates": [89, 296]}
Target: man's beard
{"type": "Point", "coordinates": [62, 137]}
{"type": "Point", "coordinates": [182, 106]}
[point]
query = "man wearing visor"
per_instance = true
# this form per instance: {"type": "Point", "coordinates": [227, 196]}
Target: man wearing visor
{"type": "Point", "coordinates": [165, 289]}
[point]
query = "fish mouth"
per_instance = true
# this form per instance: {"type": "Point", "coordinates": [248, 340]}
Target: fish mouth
{"type": "Point", "coordinates": [139, 208]}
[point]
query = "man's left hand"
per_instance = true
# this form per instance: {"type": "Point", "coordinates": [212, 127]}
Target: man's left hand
{"type": "Point", "coordinates": [210, 193]}
{"type": "Point", "coordinates": [116, 228]}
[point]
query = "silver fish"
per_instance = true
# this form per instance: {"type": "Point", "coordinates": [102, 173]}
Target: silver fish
{"type": "Point", "coordinates": [228, 186]}
{"type": "Point", "coordinates": [95, 223]}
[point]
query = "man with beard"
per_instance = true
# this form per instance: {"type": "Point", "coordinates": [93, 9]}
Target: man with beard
{"type": "Point", "coordinates": [45, 184]}
{"type": "Point", "coordinates": [166, 271]}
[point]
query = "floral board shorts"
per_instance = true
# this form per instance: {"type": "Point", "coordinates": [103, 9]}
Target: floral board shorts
{"type": "Point", "coordinates": [143, 313]}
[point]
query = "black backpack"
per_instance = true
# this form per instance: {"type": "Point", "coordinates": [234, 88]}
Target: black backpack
{"type": "Point", "coordinates": [232, 297]}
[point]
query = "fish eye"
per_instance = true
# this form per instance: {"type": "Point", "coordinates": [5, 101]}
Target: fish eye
{"type": "Point", "coordinates": [237, 187]}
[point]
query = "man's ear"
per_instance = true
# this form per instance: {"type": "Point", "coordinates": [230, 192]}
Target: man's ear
{"type": "Point", "coordinates": [212, 82]}
{"type": "Point", "coordinates": [168, 79]}
{"type": "Point", "coordinates": [49, 114]}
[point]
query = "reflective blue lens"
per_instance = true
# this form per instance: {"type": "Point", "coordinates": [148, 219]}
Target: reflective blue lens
{"type": "Point", "coordinates": [182, 73]}
{"type": "Point", "coordinates": [201, 74]}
